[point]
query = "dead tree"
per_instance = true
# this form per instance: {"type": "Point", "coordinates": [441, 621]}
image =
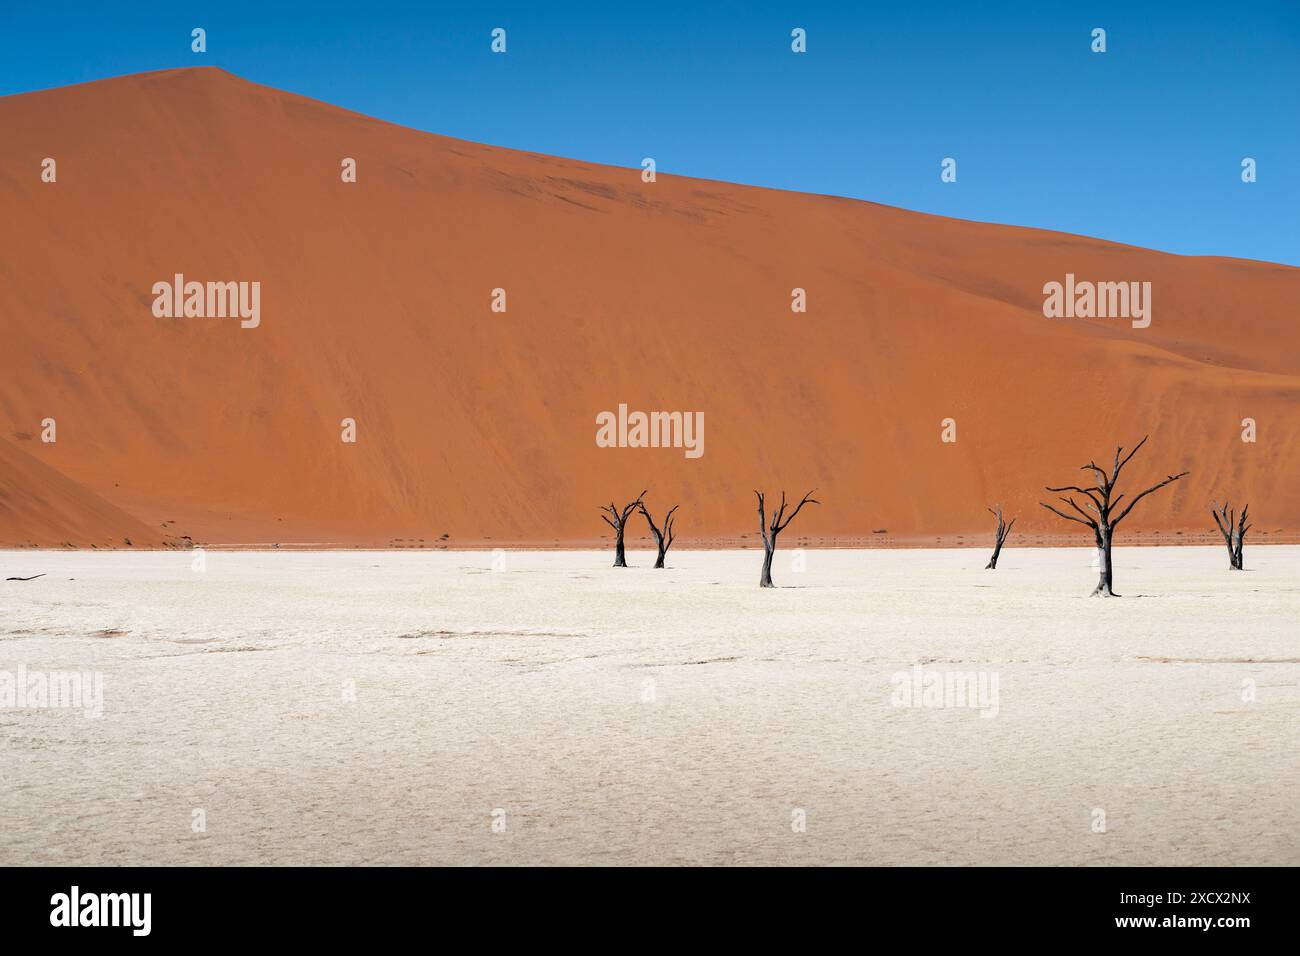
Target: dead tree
{"type": "Point", "coordinates": [770, 531]}
{"type": "Point", "coordinates": [1003, 530]}
{"type": "Point", "coordinates": [1102, 502]}
{"type": "Point", "coordinates": [1234, 532]}
{"type": "Point", "coordinates": [663, 537]}
{"type": "Point", "coordinates": [617, 519]}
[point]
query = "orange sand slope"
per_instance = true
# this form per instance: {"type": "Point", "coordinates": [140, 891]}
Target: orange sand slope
{"type": "Point", "coordinates": [39, 506]}
{"type": "Point", "coordinates": [673, 295]}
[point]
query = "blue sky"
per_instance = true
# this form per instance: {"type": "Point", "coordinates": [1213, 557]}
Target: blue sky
{"type": "Point", "coordinates": [1142, 144]}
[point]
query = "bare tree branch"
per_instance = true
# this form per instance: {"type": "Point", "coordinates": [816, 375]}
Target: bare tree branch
{"type": "Point", "coordinates": [1156, 487]}
{"type": "Point", "coordinates": [1071, 503]}
{"type": "Point", "coordinates": [1121, 464]}
{"type": "Point", "coordinates": [1103, 481]}
{"type": "Point", "coordinates": [1096, 503]}
{"type": "Point", "coordinates": [1090, 523]}
{"type": "Point", "coordinates": [808, 499]}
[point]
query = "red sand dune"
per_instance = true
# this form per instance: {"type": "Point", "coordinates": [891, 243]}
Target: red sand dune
{"type": "Point", "coordinates": [40, 507]}
{"type": "Point", "coordinates": [673, 295]}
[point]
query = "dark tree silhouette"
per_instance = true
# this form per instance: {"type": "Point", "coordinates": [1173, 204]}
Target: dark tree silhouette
{"type": "Point", "coordinates": [617, 519]}
{"type": "Point", "coordinates": [663, 537]}
{"type": "Point", "coordinates": [1102, 502]}
{"type": "Point", "coordinates": [770, 531]}
{"type": "Point", "coordinates": [1234, 532]}
{"type": "Point", "coordinates": [1003, 531]}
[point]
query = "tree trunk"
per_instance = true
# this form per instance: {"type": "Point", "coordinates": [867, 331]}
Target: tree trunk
{"type": "Point", "coordinates": [993, 561]}
{"type": "Point", "coordinates": [1234, 533]}
{"type": "Point", "coordinates": [1105, 586]}
{"type": "Point", "coordinates": [620, 559]}
{"type": "Point", "coordinates": [769, 549]}
{"type": "Point", "coordinates": [659, 543]}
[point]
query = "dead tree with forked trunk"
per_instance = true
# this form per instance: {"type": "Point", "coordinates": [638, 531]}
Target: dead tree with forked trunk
{"type": "Point", "coordinates": [1102, 502]}
{"type": "Point", "coordinates": [617, 519]}
{"type": "Point", "coordinates": [1234, 531]}
{"type": "Point", "coordinates": [770, 531]}
{"type": "Point", "coordinates": [664, 536]}
{"type": "Point", "coordinates": [1004, 530]}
